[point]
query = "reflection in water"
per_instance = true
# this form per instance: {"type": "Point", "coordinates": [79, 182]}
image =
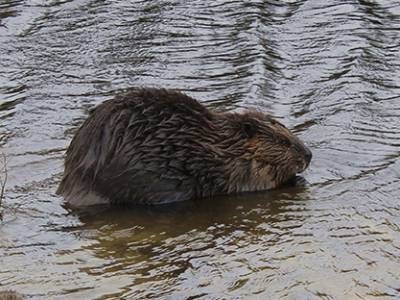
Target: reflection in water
{"type": "Point", "coordinates": [327, 69]}
{"type": "Point", "coordinates": [165, 246]}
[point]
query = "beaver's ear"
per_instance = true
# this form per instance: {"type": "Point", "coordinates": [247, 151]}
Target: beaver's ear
{"type": "Point", "coordinates": [249, 129]}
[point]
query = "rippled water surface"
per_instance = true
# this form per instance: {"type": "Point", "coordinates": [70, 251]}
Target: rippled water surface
{"type": "Point", "coordinates": [330, 70]}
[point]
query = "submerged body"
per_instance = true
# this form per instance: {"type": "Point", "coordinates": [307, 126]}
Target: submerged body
{"type": "Point", "coordinates": [156, 146]}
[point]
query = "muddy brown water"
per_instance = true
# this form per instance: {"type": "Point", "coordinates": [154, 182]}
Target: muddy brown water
{"type": "Point", "coordinates": [330, 70]}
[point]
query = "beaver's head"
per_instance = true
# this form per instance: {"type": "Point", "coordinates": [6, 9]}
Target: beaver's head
{"type": "Point", "coordinates": [272, 154]}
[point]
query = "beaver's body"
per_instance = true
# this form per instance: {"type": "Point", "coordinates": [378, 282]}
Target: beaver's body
{"type": "Point", "coordinates": [155, 146]}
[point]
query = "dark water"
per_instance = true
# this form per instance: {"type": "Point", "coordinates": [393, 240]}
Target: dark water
{"type": "Point", "coordinates": [330, 70]}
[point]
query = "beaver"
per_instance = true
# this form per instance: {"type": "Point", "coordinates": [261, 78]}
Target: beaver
{"type": "Point", "coordinates": [151, 146]}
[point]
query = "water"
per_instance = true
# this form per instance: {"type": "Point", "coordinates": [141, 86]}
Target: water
{"type": "Point", "coordinates": [328, 69]}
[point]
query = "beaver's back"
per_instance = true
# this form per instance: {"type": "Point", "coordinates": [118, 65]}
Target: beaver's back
{"type": "Point", "coordinates": [144, 146]}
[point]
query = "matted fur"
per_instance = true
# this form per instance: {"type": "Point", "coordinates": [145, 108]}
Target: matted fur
{"type": "Point", "coordinates": [155, 146]}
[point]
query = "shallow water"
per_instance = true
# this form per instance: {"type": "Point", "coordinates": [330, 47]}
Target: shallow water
{"type": "Point", "coordinates": [328, 69]}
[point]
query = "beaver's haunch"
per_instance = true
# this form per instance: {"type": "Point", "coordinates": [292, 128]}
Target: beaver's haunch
{"type": "Point", "coordinates": [155, 146]}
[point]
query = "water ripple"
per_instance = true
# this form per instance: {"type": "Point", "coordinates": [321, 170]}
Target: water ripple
{"type": "Point", "coordinates": [327, 69]}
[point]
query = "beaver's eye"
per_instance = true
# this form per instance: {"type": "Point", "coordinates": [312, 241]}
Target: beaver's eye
{"type": "Point", "coordinates": [249, 129]}
{"type": "Point", "coordinates": [285, 142]}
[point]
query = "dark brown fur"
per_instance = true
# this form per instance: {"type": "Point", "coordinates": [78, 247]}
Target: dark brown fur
{"type": "Point", "coordinates": [155, 146]}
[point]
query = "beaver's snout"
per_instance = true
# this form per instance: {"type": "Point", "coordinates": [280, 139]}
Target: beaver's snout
{"type": "Point", "coordinates": [305, 155]}
{"type": "Point", "coordinates": [308, 156]}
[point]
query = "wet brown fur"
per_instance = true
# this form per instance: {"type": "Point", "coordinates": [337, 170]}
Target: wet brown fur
{"type": "Point", "coordinates": [154, 146]}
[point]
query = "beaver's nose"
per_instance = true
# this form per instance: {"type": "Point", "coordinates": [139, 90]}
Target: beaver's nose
{"type": "Point", "coordinates": [308, 155]}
